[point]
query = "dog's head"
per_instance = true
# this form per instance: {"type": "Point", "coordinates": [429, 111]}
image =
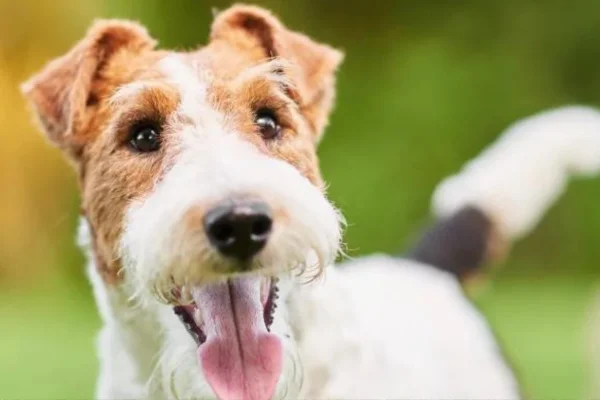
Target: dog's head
{"type": "Point", "coordinates": [200, 182]}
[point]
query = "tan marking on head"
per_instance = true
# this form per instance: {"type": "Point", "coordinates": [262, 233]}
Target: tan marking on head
{"type": "Point", "coordinates": [70, 97]}
{"type": "Point", "coordinates": [251, 45]}
{"type": "Point", "coordinates": [64, 92]}
{"type": "Point", "coordinates": [114, 174]}
{"type": "Point", "coordinates": [241, 100]}
{"type": "Point", "coordinates": [259, 35]}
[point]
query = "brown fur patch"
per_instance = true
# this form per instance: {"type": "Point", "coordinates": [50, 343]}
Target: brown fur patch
{"type": "Point", "coordinates": [115, 175]}
{"type": "Point", "coordinates": [61, 92]}
{"type": "Point", "coordinates": [240, 101]}
{"type": "Point", "coordinates": [261, 34]}
{"type": "Point", "coordinates": [71, 99]}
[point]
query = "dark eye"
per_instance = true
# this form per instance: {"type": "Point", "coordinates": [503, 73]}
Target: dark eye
{"type": "Point", "coordinates": [145, 139]}
{"type": "Point", "coordinates": [267, 123]}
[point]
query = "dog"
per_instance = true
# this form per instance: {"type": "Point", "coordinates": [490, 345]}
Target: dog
{"type": "Point", "coordinates": [211, 241]}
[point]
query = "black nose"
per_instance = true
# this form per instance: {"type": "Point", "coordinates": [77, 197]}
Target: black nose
{"type": "Point", "coordinates": [239, 229]}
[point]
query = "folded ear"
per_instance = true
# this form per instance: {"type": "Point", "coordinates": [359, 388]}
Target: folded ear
{"type": "Point", "coordinates": [314, 63]}
{"type": "Point", "coordinates": [61, 92]}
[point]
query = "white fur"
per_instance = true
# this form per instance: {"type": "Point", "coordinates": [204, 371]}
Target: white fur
{"type": "Point", "coordinates": [215, 167]}
{"type": "Point", "coordinates": [517, 178]}
{"type": "Point", "coordinates": [133, 89]}
{"type": "Point", "coordinates": [383, 327]}
{"type": "Point", "coordinates": [129, 338]}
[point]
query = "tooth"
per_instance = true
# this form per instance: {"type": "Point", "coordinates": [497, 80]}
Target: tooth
{"type": "Point", "coordinates": [186, 296]}
{"type": "Point", "coordinates": [198, 316]}
{"type": "Point", "coordinates": [264, 290]}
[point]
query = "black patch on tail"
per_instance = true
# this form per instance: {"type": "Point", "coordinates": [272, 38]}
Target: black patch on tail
{"type": "Point", "coordinates": [457, 244]}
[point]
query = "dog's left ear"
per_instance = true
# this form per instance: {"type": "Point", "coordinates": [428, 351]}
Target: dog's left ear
{"type": "Point", "coordinates": [313, 64]}
{"type": "Point", "coordinates": [62, 92]}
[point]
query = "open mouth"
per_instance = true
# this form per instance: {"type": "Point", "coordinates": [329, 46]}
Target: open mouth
{"type": "Point", "coordinates": [191, 317]}
{"type": "Point", "coordinates": [230, 321]}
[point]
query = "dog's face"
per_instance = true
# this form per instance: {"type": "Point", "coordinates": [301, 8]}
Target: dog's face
{"type": "Point", "coordinates": [200, 184]}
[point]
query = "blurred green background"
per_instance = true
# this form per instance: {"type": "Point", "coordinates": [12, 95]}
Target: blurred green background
{"type": "Point", "coordinates": [424, 87]}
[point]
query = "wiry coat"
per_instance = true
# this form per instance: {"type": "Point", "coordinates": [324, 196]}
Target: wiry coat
{"type": "Point", "coordinates": [373, 328]}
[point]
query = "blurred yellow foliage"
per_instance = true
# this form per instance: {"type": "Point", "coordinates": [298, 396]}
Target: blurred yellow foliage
{"type": "Point", "coordinates": [35, 183]}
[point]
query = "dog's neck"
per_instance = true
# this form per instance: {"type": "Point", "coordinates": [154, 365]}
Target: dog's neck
{"type": "Point", "coordinates": [129, 338]}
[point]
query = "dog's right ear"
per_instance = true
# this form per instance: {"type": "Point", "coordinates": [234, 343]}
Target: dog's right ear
{"type": "Point", "coordinates": [62, 92]}
{"type": "Point", "coordinates": [250, 27]}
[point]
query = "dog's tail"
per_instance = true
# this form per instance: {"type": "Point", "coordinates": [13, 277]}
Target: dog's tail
{"type": "Point", "coordinates": [502, 194]}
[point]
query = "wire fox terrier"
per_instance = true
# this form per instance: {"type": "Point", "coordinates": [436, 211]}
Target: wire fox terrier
{"type": "Point", "coordinates": [211, 241]}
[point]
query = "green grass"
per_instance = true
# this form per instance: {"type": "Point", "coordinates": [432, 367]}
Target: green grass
{"type": "Point", "coordinates": [47, 344]}
{"type": "Point", "coordinates": [47, 338]}
{"type": "Point", "coordinates": [541, 326]}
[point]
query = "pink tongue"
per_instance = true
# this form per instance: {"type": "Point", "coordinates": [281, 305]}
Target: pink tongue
{"type": "Point", "coordinates": [240, 359]}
